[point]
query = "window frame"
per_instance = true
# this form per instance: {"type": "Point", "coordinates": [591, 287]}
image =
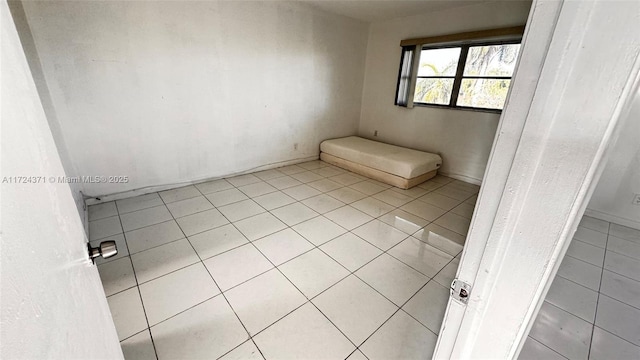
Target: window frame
{"type": "Point", "coordinates": [459, 76]}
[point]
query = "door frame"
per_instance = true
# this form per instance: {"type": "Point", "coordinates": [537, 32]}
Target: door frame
{"type": "Point", "coordinates": [516, 241]}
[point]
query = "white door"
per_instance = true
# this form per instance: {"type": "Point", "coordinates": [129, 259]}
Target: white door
{"type": "Point", "coordinates": [578, 72]}
{"type": "Point", "coordinates": [53, 305]}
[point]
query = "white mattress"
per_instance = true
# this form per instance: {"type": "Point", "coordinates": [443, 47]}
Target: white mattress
{"type": "Point", "coordinates": [396, 160]}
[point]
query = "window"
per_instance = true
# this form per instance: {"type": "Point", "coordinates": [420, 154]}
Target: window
{"type": "Point", "coordinates": [473, 76]}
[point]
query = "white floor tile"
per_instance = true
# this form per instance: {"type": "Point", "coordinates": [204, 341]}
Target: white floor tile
{"type": "Point", "coordinates": [401, 337]}
{"type": "Point", "coordinates": [591, 237]}
{"type": "Point", "coordinates": [178, 194]}
{"type": "Point", "coordinates": [152, 236]}
{"type": "Point", "coordinates": [573, 298]}
{"type": "Point", "coordinates": [291, 169]}
{"type": "Point", "coordinates": [420, 256]}
{"type": "Point", "coordinates": [622, 265]}
{"type": "Point", "coordinates": [242, 180]}
{"type": "Point", "coordinates": [283, 246]}
{"type": "Point", "coordinates": [440, 201]}
{"type": "Point", "coordinates": [346, 179]}
{"type": "Point", "coordinates": [414, 192]}
{"type": "Point", "coordinates": [161, 260]}
{"type": "Point", "coordinates": [138, 347]}
{"type": "Point", "coordinates": [624, 247]}
{"type": "Point", "coordinates": [226, 197]}
{"type": "Point", "coordinates": [264, 300]}
{"type": "Point", "coordinates": [313, 165]}
{"type": "Point", "coordinates": [368, 187]}
{"type": "Point", "coordinates": [586, 252]}
{"type": "Point", "coordinates": [329, 171]}
{"type": "Point", "coordinates": [257, 189]}
{"type": "Point", "coordinates": [348, 217]}
{"type": "Point", "coordinates": [294, 214]}
{"type": "Point", "coordinates": [534, 350]}
{"type": "Point", "coordinates": [454, 223]}
{"type": "Point", "coordinates": [319, 230]}
{"type": "Point", "coordinates": [189, 335]}
{"type": "Point", "coordinates": [404, 221]}
{"type": "Point", "coordinates": [455, 193]}
{"type": "Point", "coordinates": [372, 207]}
{"type": "Point", "coordinates": [347, 195]}
{"type": "Point", "coordinates": [580, 272]}
{"type": "Point", "coordinates": [357, 355]}
{"type": "Point", "coordinates": [213, 186]}
{"type": "Point", "coordinates": [444, 239]}
{"type": "Point", "coordinates": [202, 221]}
{"type": "Point", "coordinates": [428, 305]}
{"type": "Point", "coordinates": [306, 176]}
{"type": "Point", "coordinates": [624, 232]}
{"type": "Point", "coordinates": [423, 210]}
{"type": "Point", "coordinates": [304, 334]}
{"type": "Point", "coordinates": [117, 276]}
{"type": "Point", "coordinates": [350, 251]}
{"type": "Point", "coordinates": [355, 308]}
{"type": "Point", "coordinates": [217, 241]}
{"type": "Point", "coordinates": [301, 192]}
{"type": "Point", "coordinates": [562, 332]}
{"type": "Point", "coordinates": [235, 266]}
{"type": "Point", "coordinates": [259, 226]}
{"type": "Point", "coordinates": [246, 351]}
{"type": "Point", "coordinates": [138, 203]}
{"type": "Point", "coordinates": [393, 198]}
{"type": "Point", "coordinates": [175, 292]}
{"type": "Point", "coordinates": [284, 182]}
{"type": "Point", "coordinates": [241, 210]}
{"type": "Point", "coordinates": [313, 272]}
{"type": "Point", "coordinates": [100, 229]}
{"type": "Point", "coordinates": [323, 203]}
{"type": "Point", "coordinates": [619, 319]}
{"type": "Point", "coordinates": [142, 218]}
{"type": "Point", "coordinates": [189, 206]}
{"type": "Point", "coordinates": [325, 185]}
{"type": "Point", "coordinates": [621, 288]}
{"type": "Point", "coordinates": [268, 174]}
{"type": "Point", "coordinates": [274, 200]}
{"type": "Point", "coordinates": [392, 278]}
{"type": "Point", "coordinates": [379, 234]}
{"type": "Point", "coordinates": [464, 210]}
{"type": "Point", "coordinates": [121, 245]}
{"type": "Point", "coordinates": [448, 273]}
{"type": "Point", "coordinates": [606, 346]}
{"type": "Point", "coordinates": [101, 211]}
{"type": "Point", "coordinates": [595, 224]}
{"type": "Point", "coordinates": [127, 313]}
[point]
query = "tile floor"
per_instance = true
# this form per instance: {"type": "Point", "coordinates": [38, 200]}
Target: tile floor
{"type": "Point", "coordinates": [304, 261]}
{"type": "Point", "coordinates": [592, 310]}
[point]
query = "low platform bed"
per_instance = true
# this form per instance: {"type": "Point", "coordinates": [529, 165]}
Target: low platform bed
{"type": "Point", "coordinates": [393, 165]}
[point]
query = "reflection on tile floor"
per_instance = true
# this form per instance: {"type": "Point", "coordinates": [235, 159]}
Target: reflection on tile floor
{"type": "Point", "coordinates": [592, 310]}
{"type": "Point", "coordinates": [304, 261]}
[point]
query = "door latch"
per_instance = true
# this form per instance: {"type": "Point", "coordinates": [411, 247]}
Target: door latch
{"type": "Point", "coordinates": [106, 249]}
{"type": "Point", "coordinates": [460, 291]}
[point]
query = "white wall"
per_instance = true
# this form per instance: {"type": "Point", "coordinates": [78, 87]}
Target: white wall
{"type": "Point", "coordinates": [620, 181]}
{"type": "Point", "coordinates": [168, 92]}
{"type": "Point", "coordinates": [463, 138]}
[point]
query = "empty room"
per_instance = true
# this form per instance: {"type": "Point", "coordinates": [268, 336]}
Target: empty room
{"type": "Point", "coordinates": [320, 179]}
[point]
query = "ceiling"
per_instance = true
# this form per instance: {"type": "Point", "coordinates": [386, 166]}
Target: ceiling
{"type": "Point", "coordinates": [367, 10]}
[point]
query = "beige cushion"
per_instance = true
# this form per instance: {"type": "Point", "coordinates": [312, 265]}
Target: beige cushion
{"type": "Point", "coordinates": [395, 160]}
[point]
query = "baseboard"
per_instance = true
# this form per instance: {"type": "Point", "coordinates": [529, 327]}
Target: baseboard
{"type": "Point", "coordinates": [613, 219]}
{"type": "Point", "coordinates": [464, 178]}
{"type": "Point", "coordinates": [97, 199]}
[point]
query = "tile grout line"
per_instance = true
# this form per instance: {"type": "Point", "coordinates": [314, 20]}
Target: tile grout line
{"type": "Point", "coordinates": [138, 289]}
{"type": "Point", "coordinates": [595, 315]}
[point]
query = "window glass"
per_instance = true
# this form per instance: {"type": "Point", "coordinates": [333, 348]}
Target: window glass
{"type": "Point", "coordinates": [493, 60]}
{"type": "Point", "coordinates": [439, 62]}
{"type": "Point", "coordinates": [483, 93]}
{"type": "Point", "coordinates": [433, 90]}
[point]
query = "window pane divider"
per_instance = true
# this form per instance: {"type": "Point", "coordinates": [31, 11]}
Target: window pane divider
{"type": "Point", "coordinates": [488, 77]}
{"type": "Point", "coordinates": [462, 61]}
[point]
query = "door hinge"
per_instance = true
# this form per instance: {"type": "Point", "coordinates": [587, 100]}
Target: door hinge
{"type": "Point", "coordinates": [460, 291]}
